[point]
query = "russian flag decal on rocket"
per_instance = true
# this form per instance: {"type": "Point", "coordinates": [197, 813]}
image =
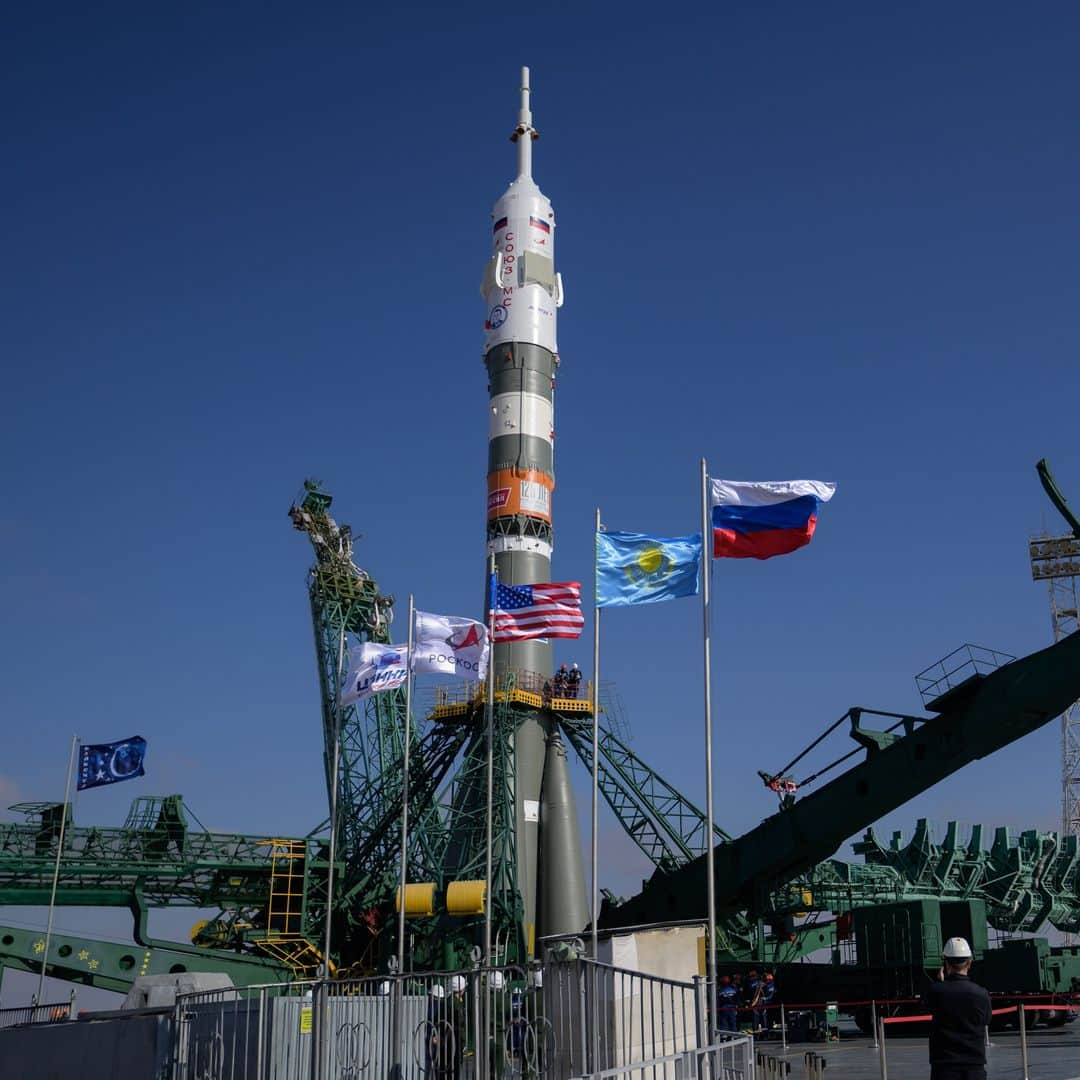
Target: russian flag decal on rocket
{"type": "Point", "coordinates": [757, 520]}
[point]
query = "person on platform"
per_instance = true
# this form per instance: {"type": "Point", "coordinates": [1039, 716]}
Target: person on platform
{"type": "Point", "coordinates": [736, 981]}
{"type": "Point", "coordinates": [728, 1006]}
{"type": "Point", "coordinates": [573, 681]}
{"type": "Point", "coordinates": [751, 991]}
{"type": "Point", "coordinates": [766, 994]}
{"type": "Point", "coordinates": [960, 1014]}
{"type": "Point", "coordinates": [559, 681]}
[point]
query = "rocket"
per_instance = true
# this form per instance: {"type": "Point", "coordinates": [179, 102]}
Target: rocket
{"type": "Point", "coordinates": [522, 292]}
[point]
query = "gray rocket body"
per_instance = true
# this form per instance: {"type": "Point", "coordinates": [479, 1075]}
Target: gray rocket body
{"type": "Point", "coordinates": [522, 292]}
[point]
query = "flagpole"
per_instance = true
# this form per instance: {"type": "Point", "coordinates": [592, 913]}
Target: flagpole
{"type": "Point", "coordinates": [706, 571]}
{"type": "Point", "coordinates": [405, 795]}
{"type": "Point", "coordinates": [56, 867]}
{"type": "Point", "coordinates": [492, 590]}
{"type": "Point", "coordinates": [335, 770]}
{"type": "Point", "coordinates": [596, 742]}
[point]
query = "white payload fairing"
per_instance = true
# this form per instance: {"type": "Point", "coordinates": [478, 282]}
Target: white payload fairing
{"type": "Point", "coordinates": [521, 286]}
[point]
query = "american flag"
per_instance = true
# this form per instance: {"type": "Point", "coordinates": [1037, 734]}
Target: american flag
{"type": "Point", "coordinates": [532, 611]}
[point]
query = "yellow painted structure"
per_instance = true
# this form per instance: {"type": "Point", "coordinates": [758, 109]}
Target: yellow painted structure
{"type": "Point", "coordinates": [419, 899]}
{"type": "Point", "coordinates": [465, 898]}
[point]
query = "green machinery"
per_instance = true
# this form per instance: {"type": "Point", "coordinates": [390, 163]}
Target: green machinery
{"type": "Point", "coordinates": [448, 778]}
{"type": "Point", "coordinates": [268, 890]}
{"type": "Point", "coordinates": [271, 892]}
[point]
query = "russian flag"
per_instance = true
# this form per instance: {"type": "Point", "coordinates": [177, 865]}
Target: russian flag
{"type": "Point", "coordinates": [760, 519]}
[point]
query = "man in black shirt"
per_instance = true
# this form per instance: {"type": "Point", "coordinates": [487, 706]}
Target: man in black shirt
{"type": "Point", "coordinates": [961, 1015]}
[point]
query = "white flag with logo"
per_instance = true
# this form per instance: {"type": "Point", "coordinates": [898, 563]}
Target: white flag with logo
{"type": "Point", "coordinates": [448, 645]}
{"type": "Point", "coordinates": [373, 668]}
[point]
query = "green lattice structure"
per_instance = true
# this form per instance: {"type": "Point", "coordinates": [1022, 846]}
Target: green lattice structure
{"type": "Point", "coordinates": [270, 892]}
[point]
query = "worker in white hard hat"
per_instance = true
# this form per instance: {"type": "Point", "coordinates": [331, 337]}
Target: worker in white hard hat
{"type": "Point", "coordinates": [456, 1030]}
{"type": "Point", "coordinates": [573, 681]}
{"type": "Point", "coordinates": [960, 1015]}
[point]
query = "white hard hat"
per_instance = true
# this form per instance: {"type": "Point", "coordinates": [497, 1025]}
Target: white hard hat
{"type": "Point", "coordinates": [457, 983]}
{"type": "Point", "coordinates": [437, 991]}
{"type": "Point", "coordinates": [384, 988]}
{"type": "Point", "coordinates": [496, 980]}
{"type": "Point", "coordinates": [956, 948]}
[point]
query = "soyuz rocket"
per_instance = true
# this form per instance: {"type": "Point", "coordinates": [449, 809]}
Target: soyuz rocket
{"type": "Point", "coordinates": [522, 292]}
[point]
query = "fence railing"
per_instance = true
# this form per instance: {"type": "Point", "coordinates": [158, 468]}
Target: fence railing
{"type": "Point", "coordinates": [23, 1015]}
{"type": "Point", "coordinates": [956, 668]}
{"type": "Point", "coordinates": [560, 1020]}
{"type": "Point", "coordinates": [547, 687]}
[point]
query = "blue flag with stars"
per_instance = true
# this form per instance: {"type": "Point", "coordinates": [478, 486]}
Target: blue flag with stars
{"type": "Point", "coordinates": [109, 763]}
{"type": "Point", "coordinates": [635, 568]}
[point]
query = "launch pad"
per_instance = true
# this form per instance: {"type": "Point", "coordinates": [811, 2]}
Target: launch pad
{"type": "Point", "coordinates": [780, 895]}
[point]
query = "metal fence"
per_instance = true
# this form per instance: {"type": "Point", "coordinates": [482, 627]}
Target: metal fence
{"type": "Point", "coordinates": [564, 1019]}
{"type": "Point", "coordinates": [37, 1014]}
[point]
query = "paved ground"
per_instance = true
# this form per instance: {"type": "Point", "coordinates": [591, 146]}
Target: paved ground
{"type": "Point", "coordinates": [1053, 1054]}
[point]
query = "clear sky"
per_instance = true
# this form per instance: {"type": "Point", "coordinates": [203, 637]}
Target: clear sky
{"type": "Point", "coordinates": [243, 245]}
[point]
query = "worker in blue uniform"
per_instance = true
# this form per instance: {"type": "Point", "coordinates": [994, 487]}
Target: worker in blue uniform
{"type": "Point", "coordinates": [766, 994]}
{"type": "Point", "coordinates": [728, 1011]}
{"type": "Point", "coordinates": [559, 681]}
{"type": "Point", "coordinates": [960, 1014]}
{"type": "Point", "coordinates": [573, 681]}
{"type": "Point", "coordinates": [750, 993]}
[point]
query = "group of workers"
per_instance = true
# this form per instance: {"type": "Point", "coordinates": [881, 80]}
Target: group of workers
{"type": "Point", "coordinates": [446, 1030]}
{"type": "Point", "coordinates": [754, 994]}
{"type": "Point", "coordinates": [512, 1041]}
{"type": "Point", "coordinates": [564, 684]}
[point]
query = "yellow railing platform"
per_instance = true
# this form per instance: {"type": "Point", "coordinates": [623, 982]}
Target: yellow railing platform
{"type": "Point", "coordinates": [472, 697]}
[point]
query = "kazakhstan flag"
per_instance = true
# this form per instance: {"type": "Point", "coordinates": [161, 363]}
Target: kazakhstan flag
{"type": "Point", "coordinates": [634, 568]}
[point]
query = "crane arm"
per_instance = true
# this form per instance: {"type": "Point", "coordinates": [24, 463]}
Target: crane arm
{"type": "Point", "coordinates": [1051, 489]}
{"type": "Point", "coordinates": [977, 718]}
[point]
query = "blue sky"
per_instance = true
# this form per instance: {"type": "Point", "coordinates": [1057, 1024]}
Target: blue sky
{"type": "Point", "coordinates": [243, 246]}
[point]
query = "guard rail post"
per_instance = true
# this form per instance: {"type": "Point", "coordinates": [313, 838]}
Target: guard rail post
{"type": "Point", "coordinates": [1023, 1040]}
{"type": "Point", "coordinates": [260, 1048]}
{"type": "Point", "coordinates": [480, 1046]}
{"type": "Point", "coordinates": [700, 1010]}
{"type": "Point", "coordinates": [873, 1022]}
{"type": "Point", "coordinates": [398, 1061]}
{"type": "Point", "coordinates": [582, 972]}
{"type": "Point", "coordinates": [783, 1028]}
{"type": "Point", "coordinates": [315, 1071]}
{"type": "Point", "coordinates": [882, 1058]}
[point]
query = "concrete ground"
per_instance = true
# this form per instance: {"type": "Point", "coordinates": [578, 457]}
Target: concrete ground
{"type": "Point", "coordinates": [1053, 1054]}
